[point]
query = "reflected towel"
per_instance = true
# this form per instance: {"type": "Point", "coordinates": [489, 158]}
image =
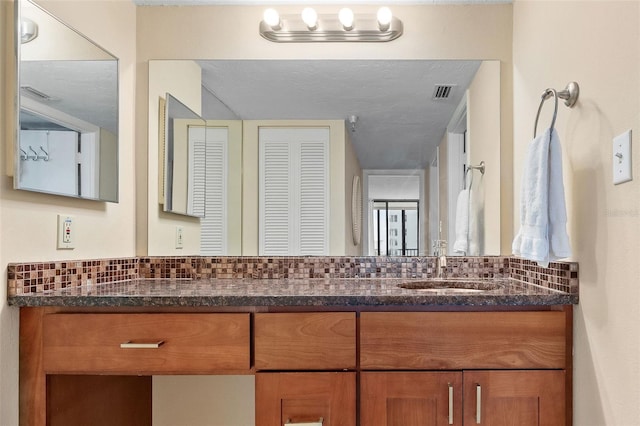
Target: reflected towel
{"type": "Point", "coordinates": [543, 214]}
{"type": "Point", "coordinates": [461, 244]}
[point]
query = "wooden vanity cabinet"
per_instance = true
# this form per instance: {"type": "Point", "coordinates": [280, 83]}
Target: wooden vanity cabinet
{"type": "Point", "coordinates": [305, 365]}
{"type": "Point", "coordinates": [514, 368]}
{"type": "Point", "coordinates": [349, 368]}
{"type": "Point", "coordinates": [80, 368]}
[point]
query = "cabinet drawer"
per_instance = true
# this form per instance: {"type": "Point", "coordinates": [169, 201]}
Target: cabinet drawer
{"type": "Point", "coordinates": [305, 341]}
{"type": "Point", "coordinates": [462, 340]}
{"type": "Point", "coordinates": [125, 343]}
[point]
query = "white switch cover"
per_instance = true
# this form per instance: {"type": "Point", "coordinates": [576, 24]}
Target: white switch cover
{"type": "Point", "coordinates": [179, 237]}
{"type": "Point", "coordinates": [622, 158]}
{"type": "Point", "coordinates": [66, 232]}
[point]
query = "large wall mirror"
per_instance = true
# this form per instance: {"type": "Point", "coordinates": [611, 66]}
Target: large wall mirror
{"type": "Point", "coordinates": [67, 142]}
{"type": "Point", "coordinates": [415, 127]}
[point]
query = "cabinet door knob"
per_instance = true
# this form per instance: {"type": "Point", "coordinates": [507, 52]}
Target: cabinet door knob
{"type": "Point", "coordinates": [478, 403]}
{"type": "Point", "coordinates": [318, 423]}
{"type": "Point", "coordinates": [139, 345]}
{"type": "Point", "coordinates": [450, 404]}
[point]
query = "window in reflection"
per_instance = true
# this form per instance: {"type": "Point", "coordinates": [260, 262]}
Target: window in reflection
{"type": "Point", "coordinates": [395, 228]}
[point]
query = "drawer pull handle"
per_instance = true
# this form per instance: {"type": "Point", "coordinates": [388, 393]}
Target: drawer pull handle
{"type": "Point", "coordinates": [450, 404]}
{"type": "Point", "coordinates": [478, 403]}
{"type": "Point", "coordinates": [138, 345]}
{"type": "Point", "coordinates": [318, 423]}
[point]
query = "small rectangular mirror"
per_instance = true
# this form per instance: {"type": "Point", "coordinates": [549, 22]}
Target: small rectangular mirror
{"type": "Point", "coordinates": [184, 159]}
{"type": "Point", "coordinates": [67, 143]}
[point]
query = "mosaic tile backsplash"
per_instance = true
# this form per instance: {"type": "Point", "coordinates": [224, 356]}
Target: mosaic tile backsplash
{"type": "Point", "coordinates": [41, 277]}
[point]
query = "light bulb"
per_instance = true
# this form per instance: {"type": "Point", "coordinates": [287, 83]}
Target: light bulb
{"type": "Point", "coordinates": [384, 18]}
{"type": "Point", "coordinates": [346, 18]}
{"type": "Point", "coordinates": [310, 18]}
{"type": "Point", "coordinates": [272, 18]}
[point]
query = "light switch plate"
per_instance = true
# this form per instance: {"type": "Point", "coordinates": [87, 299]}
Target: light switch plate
{"type": "Point", "coordinates": [622, 158]}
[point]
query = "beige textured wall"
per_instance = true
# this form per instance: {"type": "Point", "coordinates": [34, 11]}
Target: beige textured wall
{"type": "Point", "coordinates": [597, 44]}
{"type": "Point", "coordinates": [483, 134]}
{"type": "Point", "coordinates": [28, 220]}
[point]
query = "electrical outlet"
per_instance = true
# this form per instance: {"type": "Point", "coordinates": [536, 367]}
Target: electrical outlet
{"type": "Point", "coordinates": [66, 232]}
{"type": "Point", "coordinates": [179, 237]}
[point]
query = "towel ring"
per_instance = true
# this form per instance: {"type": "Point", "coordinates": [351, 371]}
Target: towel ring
{"type": "Point", "coordinates": [569, 94]}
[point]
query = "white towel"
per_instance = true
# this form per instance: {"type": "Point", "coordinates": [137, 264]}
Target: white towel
{"type": "Point", "coordinates": [543, 214]}
{"type": "Point", "coordinates": [461, 244]}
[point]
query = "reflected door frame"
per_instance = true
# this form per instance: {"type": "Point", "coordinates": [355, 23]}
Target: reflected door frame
{"type": "Point", "coordinates": [367, 212]}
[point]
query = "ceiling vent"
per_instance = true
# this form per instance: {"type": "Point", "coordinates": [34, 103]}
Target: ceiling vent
{"type": "Point", "coordinates": [442, 91]}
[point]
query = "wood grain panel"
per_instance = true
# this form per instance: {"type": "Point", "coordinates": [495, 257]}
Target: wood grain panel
{"type": "Point", "coordinates": [523, 398]}
{"type": "Point", "coordinates": [193, 343]}
{"type": "Point", "coordinates": [305, 341]}
{"type": "Point", "coordinates": [306, 397]}
{"type": "Point", "coordinates": [409, 398]}
{"type": "Point", "coordinates": [459, 340]}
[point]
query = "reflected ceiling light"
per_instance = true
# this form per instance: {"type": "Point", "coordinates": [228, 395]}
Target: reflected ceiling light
{"type": "Point", "coordinates": [346, 18]}
{"type": "Point", "coordinates": [272, 19]}
{"type": "Point", "coordinates": [344, 26]}
{"type": "Point", "coordinates": [310, 18]}
{"type": "Point", "coordinates": [384, 16]}
{"type": "Point", "coordinates": [28, 30]}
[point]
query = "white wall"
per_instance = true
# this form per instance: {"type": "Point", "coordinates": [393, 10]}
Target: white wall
{"type": "Point", "coordinates": [597, 44]}
{"type": "Point", "coordinates": [27, 220]}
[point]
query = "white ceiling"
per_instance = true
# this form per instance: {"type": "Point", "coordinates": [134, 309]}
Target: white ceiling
{"type": "Point", "coordinates": [399, 124]}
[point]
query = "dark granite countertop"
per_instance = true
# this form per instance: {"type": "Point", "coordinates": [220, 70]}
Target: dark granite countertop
{"type": "Point", "coordinates": [290, 292]}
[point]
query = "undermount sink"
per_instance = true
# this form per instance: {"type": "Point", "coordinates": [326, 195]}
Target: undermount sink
{"type": "Point", "coordinates": [451, 286]}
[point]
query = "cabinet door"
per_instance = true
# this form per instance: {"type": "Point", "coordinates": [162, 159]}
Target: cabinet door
{"type": "Point", "coordinates": [290, 398]}
{"type": "Point", "coordinates": [507, 398]}
{"type": "Point", "coordinates": [411, 398]}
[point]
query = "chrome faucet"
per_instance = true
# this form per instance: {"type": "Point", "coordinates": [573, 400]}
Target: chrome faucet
{"type": "Point", "coordinates": [441, 258]}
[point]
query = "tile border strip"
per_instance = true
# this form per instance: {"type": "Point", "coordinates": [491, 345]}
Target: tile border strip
{"type": "Point", "coordinates": [44, 277]}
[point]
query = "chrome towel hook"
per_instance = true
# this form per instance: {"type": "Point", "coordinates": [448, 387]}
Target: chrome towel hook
{"type": "Point", "coordinates": [569, 94]}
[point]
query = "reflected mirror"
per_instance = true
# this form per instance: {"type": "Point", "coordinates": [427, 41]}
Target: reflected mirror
{"type": "Point", "coordinates": [67, 143]}
{"type": "Point", "coordinates": [184, 159]}
{"type": "Point", "coordinates": [414, 126]}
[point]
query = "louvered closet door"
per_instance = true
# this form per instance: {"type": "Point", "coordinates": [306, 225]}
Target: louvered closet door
{"type": "Point", "coordinates": [294, 191]}
{"type": "Point", "coordinates": [196, 171]}
{"type": "Point", "coordinates": [213, 226]}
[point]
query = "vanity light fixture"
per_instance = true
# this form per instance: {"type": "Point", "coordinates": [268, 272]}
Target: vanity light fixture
{"type": "Point", "coordinates": [309, 26]}
{"type": "Point", "coordinates": [310, 18]}
{"type": "Point", "coordinates": [271, 17]}
{"type": "Point", "coordinates": [384, 16]}
{"type": "Point", "coordinates": [346, 18]}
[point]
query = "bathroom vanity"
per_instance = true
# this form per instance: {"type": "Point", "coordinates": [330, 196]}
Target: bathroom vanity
{"type": "Point", "coordinates": [340, 351]}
